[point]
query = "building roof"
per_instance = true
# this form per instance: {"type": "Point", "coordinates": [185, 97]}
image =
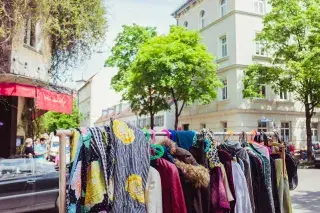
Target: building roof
{"type": "Point", "coordinates": [179, 9]}
{"type": "Point", "coordinates": [126, 112]}
{"type": "Point", "coordinates": [88, 81]}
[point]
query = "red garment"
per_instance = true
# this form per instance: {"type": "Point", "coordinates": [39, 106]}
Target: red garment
{"type": "Point", "coordinates": [172, 193]}
{"type": "Point", "coordinates": [219, 200]}
{"type": "Point", "coordinates": [226, 159]}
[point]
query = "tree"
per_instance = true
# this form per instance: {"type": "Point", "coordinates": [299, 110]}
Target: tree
{"type": "Point", "coordinates": [54, 120]}
{"type": "Point", "coordinates": [291, 34]}
{"type": "Point", "coordinates": [124, 51]}
{"type": "Point", "coordinates": [177, 68]}
{"type": "Point", "coordinates": [76, 28]}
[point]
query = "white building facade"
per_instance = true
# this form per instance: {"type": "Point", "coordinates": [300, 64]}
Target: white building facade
{"type": "Point", "coordinates": [122, 111]}
{"type": "Point", "coordinates": [229, 28]}
{"type": "Point", "coordinates": [95, 95]}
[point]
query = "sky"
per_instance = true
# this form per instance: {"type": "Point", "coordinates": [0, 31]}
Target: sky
{"type": "Point", "coordinates": [156, 13]}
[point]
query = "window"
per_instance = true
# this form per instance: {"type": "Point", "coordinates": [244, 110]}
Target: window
{"type": "Point", "coordinates": [185, 126]}
{"type": "Point", "coordinates": [30, 32]}
{"type": "Point", "coordinates": [185, 24]}
{"type": "Point", "coordinates": [223, 7]}
{"type": "Point", "coordinates": [285, 131]}
{"type": "Point", "coordinates": [263, 91]}
{"type": "Point", "coordinates": [202, 19]}
{"type": "Point", "coordinates": [203, 126]}
{"type": "Point", "coordinates": [259, 6]}
{"type": "Point", "coordinates": [262, 126]}
{"type": "Point", "coordinates": [260, 47]}
{"type": "Point", "coordinates": [224, 48]}
{"type": "Point", "coordinates": [159, 121]}
{"type": "Point", "coordinates": [44, 167]}
{"type": "Point", "coordinates": [224, 126]}
{"type": "Point", "coordinates": [15, 168]}
{"type": "Point", "coordinates": [314, 131]}
{"type": "Point", "coordinates": [224, 90]}
{"type": "Point", "coordinates": [283, 94]}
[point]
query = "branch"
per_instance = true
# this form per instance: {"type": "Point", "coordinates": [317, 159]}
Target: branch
{"type": "Point", "coordinates": [181, 108]}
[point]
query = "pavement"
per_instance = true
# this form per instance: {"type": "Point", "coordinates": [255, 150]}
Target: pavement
{"type": "Point", "coordinates": [306, 197]}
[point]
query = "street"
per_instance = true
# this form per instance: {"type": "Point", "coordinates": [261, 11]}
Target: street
{"type": "Point", "coordinates": [306, 197]}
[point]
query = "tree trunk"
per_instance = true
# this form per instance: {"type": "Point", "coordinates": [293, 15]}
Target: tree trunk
{"type": "Point", "coordinates": [151, 120]}
{"type": "Point", "coordinates": [309, 133]}
{"type": "Point", "coordinates": [176, 114]}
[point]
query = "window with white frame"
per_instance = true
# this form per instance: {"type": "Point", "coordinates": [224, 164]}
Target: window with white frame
{"type": "Point", "coordinates": [314, 131]}
{"type": "Point", "coordinates": [260, 47]}
{"type": "Point", "coordinates": [30, 32]}
{"type": "Point", "coordinates": [284, 94]}
{"type": "Point", "coordinates": [285, 131]}
{"type": "Point", "coordinates": [259, 6]}
{"type": "Point", "coordinates": [159, 120]}
{"type": "Point", "coordinates": [224, 126]}
{"type": "Point", "coordinates": [262, 126]}
{"type": "Point", "coordinates": [224, 90]}
{"type": "Point", "coordinates": [202, 19]}
{"type": "Point", "coordinates": [223, 8]}
{"type": "Point", "coordinates": [224, 46]}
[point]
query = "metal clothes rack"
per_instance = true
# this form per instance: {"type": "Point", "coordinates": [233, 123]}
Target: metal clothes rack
{"type": "Point", "coordinates": [62, 134]}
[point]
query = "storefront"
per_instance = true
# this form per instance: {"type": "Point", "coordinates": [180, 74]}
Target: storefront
{"type": "Point", "coordinates": [16, 96]}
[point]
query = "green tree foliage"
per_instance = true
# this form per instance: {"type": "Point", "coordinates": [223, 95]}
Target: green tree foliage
{"type": "Point", "coordinates": [54, 120]}
{"type": "Point", "coordinates": [124, 51]}
{"type": "Point", "coordinates": [291, 34]}
{"type": "Point", "coordinates": [171, 68]}
{"type": "Point", "coordinates": [75, 27]}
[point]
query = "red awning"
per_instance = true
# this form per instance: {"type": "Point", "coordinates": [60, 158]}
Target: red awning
{"type": "Point", "coordinates": [45, 99]}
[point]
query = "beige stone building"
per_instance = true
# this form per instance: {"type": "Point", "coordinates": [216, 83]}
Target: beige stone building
{"type": "Point", "coordinates": [228, 28]}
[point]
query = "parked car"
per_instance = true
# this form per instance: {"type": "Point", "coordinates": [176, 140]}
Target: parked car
{"type": "Point", "coordinates": [28, 185]}
{"type": "Point", "coordinates": [54, 149]}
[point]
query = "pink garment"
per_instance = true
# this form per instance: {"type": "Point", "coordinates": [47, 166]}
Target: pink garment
{"type": "Point", "coordinates": [57, 159]}
{"type": "Point", "coordinates": [219, 200]}
{"type": "Point", "coordinates": [172, 194]}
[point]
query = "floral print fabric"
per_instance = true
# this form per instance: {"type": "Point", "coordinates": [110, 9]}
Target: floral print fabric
{"type": "Point", "coordinates": [131, 168]}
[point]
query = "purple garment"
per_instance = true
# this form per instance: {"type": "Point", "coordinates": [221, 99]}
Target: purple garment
{"type": "Point", "coordinates": [219, 200]}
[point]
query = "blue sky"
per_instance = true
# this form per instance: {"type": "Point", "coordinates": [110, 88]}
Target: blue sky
{"type": "Point", "coordinates": [120, 12]}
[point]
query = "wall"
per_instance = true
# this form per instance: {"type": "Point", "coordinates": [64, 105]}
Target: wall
{"type": "Point", "coordinates": [29, 61]}
{"type": "Point", "coordinates": [102, 95]}
{"type": "Point", "coordinates": [240, 26]}
{"type": "Point", "coordinates": [84, 101]}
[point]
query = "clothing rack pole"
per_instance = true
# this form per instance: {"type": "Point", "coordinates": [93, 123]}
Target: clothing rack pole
{"type": "Point", "coordinates": [62, 134]}
{"type": "Point", "coordinates": [62, 168]}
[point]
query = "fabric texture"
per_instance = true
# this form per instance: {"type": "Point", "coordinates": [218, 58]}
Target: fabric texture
{"type": "Point", "coordinates": [292, 169]}
{"type": "Point", "coordinates": [226, 184]}
{"type": "Point", "coordinates": [243, 204]}
{"type": "Point", "coordinates": [131, 168]}
{"type": "Point", "coordinates": [185, 139]}
{"type": "Point", "coordinates": [220, 202]}
{"type": "Point", "coordinates": [172, 194]}
{"type": "Point", "coordinates": [200, 156]}
{"type": "Point", "coordinates": [260, 192]}
{"type": "Point", "coordinates": [241, 153]}
{"type": "Point", "coordinates": [212, 152]}
{"type": "Point", "coordinates": [153, 192]}
{"type": "Point", "coordinates": [226, 159]}
{"type": "Point", "coordinates": [193, 177]}
{"type": "Point", "coordinates": [283, 188]}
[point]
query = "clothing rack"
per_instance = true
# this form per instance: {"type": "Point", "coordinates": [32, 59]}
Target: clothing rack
{"type": "Point", "coordinates": [62, 134]}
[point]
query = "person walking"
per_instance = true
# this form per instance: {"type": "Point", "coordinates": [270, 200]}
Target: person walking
{"type": "Point", "coordinates": [28, 150]}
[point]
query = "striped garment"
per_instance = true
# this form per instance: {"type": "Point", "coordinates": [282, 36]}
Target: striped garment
{"type": "Point", "coordinates": [132, 161]}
